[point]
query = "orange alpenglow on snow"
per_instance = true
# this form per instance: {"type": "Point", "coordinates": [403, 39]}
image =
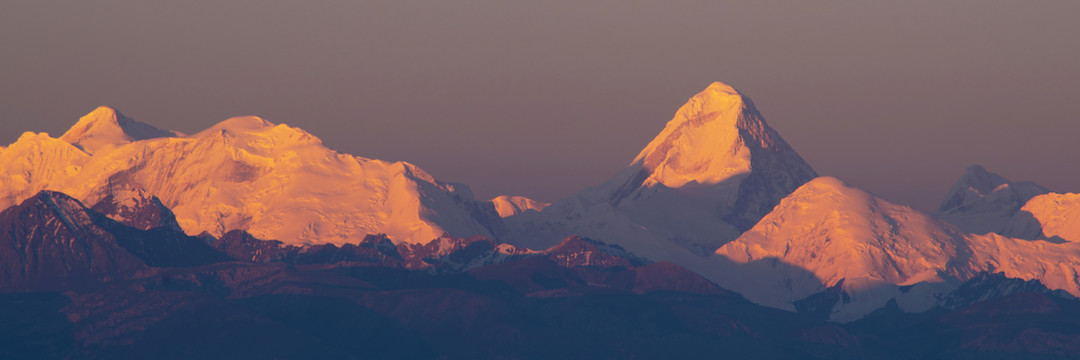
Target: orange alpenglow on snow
{"type": "Point", "coordinates": [274, 181]}
{"type": "Point", "coordinates": [717, 191]}
{"type": "Point", "coordinates": [1057, 215]}
{"type": "Point", "coordinates": [513, 205]}
{"type": "Point", "coordinates": [828, 233]}
{"type": "Point", "coordinates": [713, 171]}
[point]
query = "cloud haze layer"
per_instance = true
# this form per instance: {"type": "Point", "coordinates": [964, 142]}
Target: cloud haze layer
{"type": "Point", "coordinates": [543, 99]}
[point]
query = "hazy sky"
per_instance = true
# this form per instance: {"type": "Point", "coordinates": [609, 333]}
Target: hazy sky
{"type": "Point", "coordinates": [542, 99]}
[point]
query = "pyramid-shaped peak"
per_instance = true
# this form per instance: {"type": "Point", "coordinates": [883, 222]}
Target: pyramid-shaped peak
{"type": "Point", "coordinates": [983, 181]}
{"type": "Point", "coordinates": [983, 202]}
{"type": "Point", "coordinates": [975, 183]}
{"type": "Point", "coordinates": [976, 169]}
{"type": "Point", "coordinates": [713, 138]}
{"type": "Point", "coordinates": [718, 97]}
{"type": "Point", "coordinates": [719, 90]}
{"type": "Point", "coordinates": [69, 210]}
{"type": "Point", "coordinates": [105, 112]}
{"type": "Point", "coordinates": [106, 127]}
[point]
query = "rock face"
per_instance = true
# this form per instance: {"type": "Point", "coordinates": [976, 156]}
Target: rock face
{"type": "Point", "coordinates": [988, 286]}
{"type": "Point", "coordinates": [373, 249]}
{"type": "Point", "coordinates": [444, 254]}
{"type": "Point", "coordinates": [273, 181]}
{"type": "Point", "coordinates": [136, 208]}
{"type": "Point", "coordinates": [580, 252]}
{"type": "Point", "coordinates": [712, 172]}
{"type": "Point", "coordinates": [52, 241]}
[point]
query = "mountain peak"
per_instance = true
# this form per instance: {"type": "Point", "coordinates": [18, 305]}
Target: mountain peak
{"type": "Point", "coordinates": [719, 144]}
{"type": "Point", "coordinates": [975, 169]}
{"type": "Point", "coordinates": [720, 90]}
{"type": "Point", "coordinates": [826, 232]}
{"type": "Point", "coordinates": [713, 171]}
{"type": "Point", "coordinates": [64, 207]}
{"type": "Point", "coordinates": [106, 128]}
{"type": "Point", "coordinates": [827, 184]}
{"type": "Point", "coordinates": [977, 183]}
{"type": "Point", "coordinates": [981, 180]}
{"type": "Point", "coordinates": [135, 207]}
{"type": "Point", "coordinates": [984, 202]}
{"type": "Point", "coordinates": [104, 112]}
{"type": "Point", "coordinates": [239, 125]}
{"type": "Point", "coordinates": [576, 251]}
{"type": "Point", "coordinates": [711, 139]}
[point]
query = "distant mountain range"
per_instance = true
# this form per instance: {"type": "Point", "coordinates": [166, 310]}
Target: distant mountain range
{"type": "Point", "coordinates": [244, 173]}
{"type": "Point", "coordinates": [118, 235]}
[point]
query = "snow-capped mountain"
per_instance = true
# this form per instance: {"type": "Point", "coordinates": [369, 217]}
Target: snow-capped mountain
{"type": "Point", "coordinates": [984, 202]}
{"type": "Point", "coordinates": [275, 181]}
{"type": "Point", "coordinates": [512, 205]}
{"type": "Point", "coordinates": [711, 173]}
{"type": "Point", "coordinates": [106, 128]}
{"type": "Point", "coordinates": [717, 191]}
{"type": "Point", "coordinates": [1048, 216]}
{"type": "Point", "coordinates": [828, 234]}
{"type": "Point", "coordinates": [37, 162]}
{"type": "Point", "coordinates": [1055, 264]}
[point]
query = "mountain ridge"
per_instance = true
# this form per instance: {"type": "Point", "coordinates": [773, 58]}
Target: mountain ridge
{"type": "Point", "coordinates": [828, 234]}
{"type": "Point", "coordinates": [248, 173]}
{"type": "Point", "coordinates": [716, 167]}
{"type": "Point", "coordinates": [712, 192]}
{"type": "Point", "coordinates": [106, 128]}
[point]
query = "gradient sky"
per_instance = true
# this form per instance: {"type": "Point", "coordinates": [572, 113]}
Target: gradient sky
{"type": "Point", "coordinates": [545, 98]}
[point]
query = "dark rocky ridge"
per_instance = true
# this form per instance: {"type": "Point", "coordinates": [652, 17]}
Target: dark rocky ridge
{"type": "Point", "coordinates": [53, 241]}
{"type": "Point", "coordinates": [132, 293]}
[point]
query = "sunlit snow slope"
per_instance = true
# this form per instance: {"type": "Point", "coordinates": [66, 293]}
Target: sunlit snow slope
{"type": "Point", "coordinates": [711, 173]}
{"type": "Point", "coordinates": [828, 233]}
{"type": "Point", "coordinates": [1049, 216]}
{"type": "Point", "coordinates": [106, 128]}
{"type": "Point", "coordinates": [983, 202]}
{"type": "Point", "coordinates": [513, 205]}
{"type": "Point", "coordinates": [275, 181]}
